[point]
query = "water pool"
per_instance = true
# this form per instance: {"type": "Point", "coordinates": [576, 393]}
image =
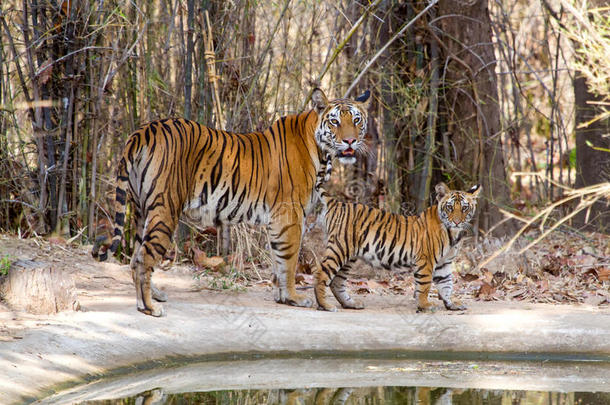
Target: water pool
{"type": "Point", "coordinates": [346, 380]}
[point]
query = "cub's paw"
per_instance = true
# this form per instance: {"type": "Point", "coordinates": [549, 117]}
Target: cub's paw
{"type": "Point", "coordinates": [353, 304]}
{"type": "Point", "coordinates": [156, 310]}
{"type": "Point", "coordinates": [455, 306]}
{"type": "Point", "coordinates": [158, 295]}
{"type": "Point", "coordinates": [426, 309]}
{"type": "Point", "coordinates": [327, 307]}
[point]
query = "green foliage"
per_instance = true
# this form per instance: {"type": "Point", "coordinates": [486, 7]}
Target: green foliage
{"type": "Point", "coordinates": [5, 265]}
{"type": "Point", "coordinates": [229, 281]}
{"type": "Point", "coordinates": [232, 280]}
{"type": "Point", "coordinates": [573, 158]}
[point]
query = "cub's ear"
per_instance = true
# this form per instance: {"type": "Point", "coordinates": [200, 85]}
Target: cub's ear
{"type": "Point", "coordinates": [364, 98]}
{"type": "Point", "coordinates": [475, 190]}
{"type": "Point", "coordinates": [320, 102]}
{"type": "Point", "coordinates": [441, 190]}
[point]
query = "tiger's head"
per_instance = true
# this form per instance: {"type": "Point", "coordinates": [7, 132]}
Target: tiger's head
{"type": "Point", "coordinates": [456, 208]}
{"type": "Point", "coordinates": [341, 125]}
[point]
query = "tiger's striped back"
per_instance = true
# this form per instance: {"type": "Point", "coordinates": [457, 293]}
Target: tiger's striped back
{"type": "Point", "coordinates": [426, 242]}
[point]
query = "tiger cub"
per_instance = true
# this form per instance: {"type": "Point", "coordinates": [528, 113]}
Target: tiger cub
{"type": "Point", "coordinates": [427, 241]}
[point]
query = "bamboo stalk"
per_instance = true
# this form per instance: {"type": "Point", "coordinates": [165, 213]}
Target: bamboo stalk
{"type": "Point", "coordinates": [93, 185]}
{"type": "Point", "coordinates": [210, 59]}
{"type": "Point", "coordinates": [37, 122]}
{"type": "Point", "coordinates": [62, 224]}
{"type": "Point", "coordinates": [222, 234]}
{"type": "Point", "coordinates": [61, 203]}
{"type": "Point", "coordinates": [82, 182]}
{"type": "Point", "coordinates": [74, 203]}
{"type": "Point", "coordinates": [24, 87]}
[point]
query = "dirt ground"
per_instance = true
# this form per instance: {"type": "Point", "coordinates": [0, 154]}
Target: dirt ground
{"type": "Point", "coordinates": [211, 313]}
{"type": "Point", "coordinates": [506, 282]}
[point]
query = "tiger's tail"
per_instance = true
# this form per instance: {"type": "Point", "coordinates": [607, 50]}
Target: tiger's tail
{"type": "Point", "coordinates": [120, 203]}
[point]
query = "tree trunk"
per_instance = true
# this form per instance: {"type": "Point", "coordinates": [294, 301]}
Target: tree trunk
{"type": "Point", "coordinates": [426, 175]}
{"type": "Point", "coordinates": [69, 86]}
{"type": "Point", "coordinates": [471, 106]}
{"type": "Point", "coordinates": [183, 231]}
{"type": "Point", "coordinates": [38, 288]}
{"type": "Point", "coordinates": [592, 166]}
{"type": "Point", "coordinates": [39, 28]}
{"type": "Point", "coordinates": [388, 98]}
{"type": "Point", "coordinates": [188, 64]}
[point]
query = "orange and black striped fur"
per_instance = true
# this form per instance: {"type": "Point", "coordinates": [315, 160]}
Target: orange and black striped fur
{"type": "Point", "coordinates": [175, 166]}
{"type": "Point", "coordinates": [428, 242]}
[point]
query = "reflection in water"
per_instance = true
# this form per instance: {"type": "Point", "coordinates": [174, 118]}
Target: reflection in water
{"type": "Point", "coordinates": [364, 396]}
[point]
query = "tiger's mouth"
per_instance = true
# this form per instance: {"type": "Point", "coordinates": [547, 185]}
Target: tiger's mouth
{"type": "Point", "coordinates": [349, 152]}
{"type": "Point", "coordinates": [347, 156]}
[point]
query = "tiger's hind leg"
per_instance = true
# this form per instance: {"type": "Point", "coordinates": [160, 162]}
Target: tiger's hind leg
{"type": "Point", "coordinates": [285, 245]}
{"type": "Point", "coordinates": [339, 288]}
{"type": "Point", "coordinates": [142, 278]}
{"type": "Point", "coordinates": [443, 279]}
{"type": "Point", "coordinates": [157, 294]}
{"type": "Point", "coordinates": [156, 239]}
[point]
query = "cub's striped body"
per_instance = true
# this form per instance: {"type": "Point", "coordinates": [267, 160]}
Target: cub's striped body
{"type": "Point", "coordinates": [175, 166]}
{"type": "Point", "coordinates": [427, 241]}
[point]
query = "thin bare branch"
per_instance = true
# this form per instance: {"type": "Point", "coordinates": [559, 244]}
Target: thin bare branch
{"type": "Point", "coordinates": [394, 38]}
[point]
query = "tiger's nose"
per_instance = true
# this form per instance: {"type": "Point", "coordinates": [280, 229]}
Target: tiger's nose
{"type": "Point", "coordinates": [349, 141]}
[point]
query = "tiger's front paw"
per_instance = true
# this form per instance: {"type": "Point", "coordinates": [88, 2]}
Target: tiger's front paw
{"type": "Point", "coordinates": [327, 307]}
{"type": "Point", "coordinates": [424, 307]}
{"type": "Point", "coordinates": [299, 300]}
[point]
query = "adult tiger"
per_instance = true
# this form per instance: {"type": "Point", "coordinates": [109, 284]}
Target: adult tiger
{"type": "Point", "coordinates": [176, 166]}
{"type": "Point", "coordinates": [428, 241]}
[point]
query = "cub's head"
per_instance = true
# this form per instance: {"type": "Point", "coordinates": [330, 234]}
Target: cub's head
{"type": "Point", "coordinates": [456, 208]}
{"type": "Point", "coordinates": [341, 125]}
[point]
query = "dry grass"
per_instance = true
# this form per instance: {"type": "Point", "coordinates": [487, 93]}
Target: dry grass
{"type": "Point", "coordinates": [586, 197]}
{"type": "Point", "coordinates": [250, 250]}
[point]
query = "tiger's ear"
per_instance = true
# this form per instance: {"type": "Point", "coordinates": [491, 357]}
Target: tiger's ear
{"type": "Point", "coordinates": [320, 102]}
{"type": "Point", "coordinates": [475, 190]}
{"type": "Point", "coordinates": [364, 98]}
{"type": "Point", "coordinates": [441, 190]}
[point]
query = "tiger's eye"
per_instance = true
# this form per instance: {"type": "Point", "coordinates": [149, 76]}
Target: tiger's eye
{"type": "Point", "coordinates": [334, 122]}
{"type": "Point", "coordinates": [357, 120]}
